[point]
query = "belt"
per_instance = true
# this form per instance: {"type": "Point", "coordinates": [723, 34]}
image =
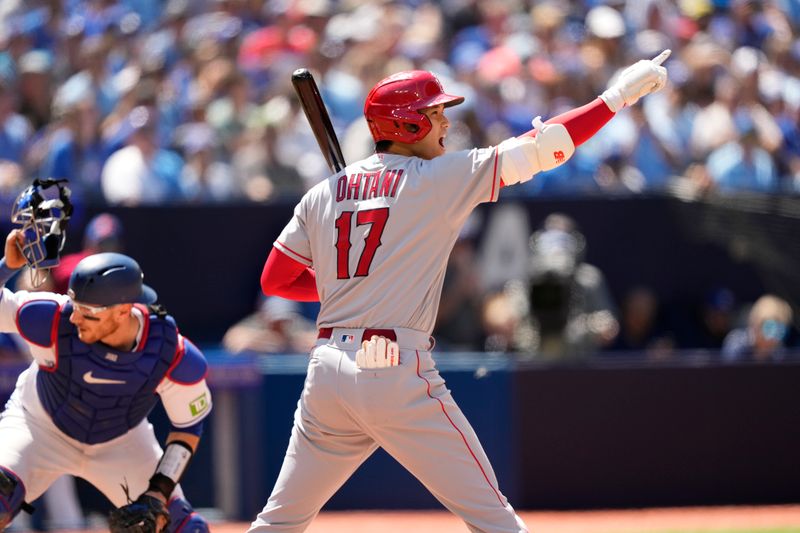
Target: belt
{"type": "Point", "coordinates": [326, 333]}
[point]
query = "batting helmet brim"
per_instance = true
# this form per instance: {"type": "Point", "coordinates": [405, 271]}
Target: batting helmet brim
{"type": "Point", "coordinates": [448, 100]}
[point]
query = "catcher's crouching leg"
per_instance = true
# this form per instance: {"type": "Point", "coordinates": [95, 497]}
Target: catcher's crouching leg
{"type": "Point", "coordinates": [183, 519]}
{"type": "Point", "coordinates": [12, 496]}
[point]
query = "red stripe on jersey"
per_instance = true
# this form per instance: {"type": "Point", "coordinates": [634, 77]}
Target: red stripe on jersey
{"type": "Point", "coordinates": [474, 457]}
{"type": "Point", "coordinates": [295, 253]}
{"type": "Point", "coordinates": [494, 174]}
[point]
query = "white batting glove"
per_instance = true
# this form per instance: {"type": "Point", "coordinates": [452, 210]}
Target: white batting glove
{"type": "Point", "coordinates": [378, 352]}
{"type": "Point", "coordinates": [642, 78]}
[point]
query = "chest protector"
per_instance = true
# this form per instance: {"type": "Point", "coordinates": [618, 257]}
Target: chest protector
{"type": "Point", "coordinates": [96, 393]}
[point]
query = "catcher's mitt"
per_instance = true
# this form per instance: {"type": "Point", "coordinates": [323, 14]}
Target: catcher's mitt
{"type": "Point", "coordinates": [141, 516]}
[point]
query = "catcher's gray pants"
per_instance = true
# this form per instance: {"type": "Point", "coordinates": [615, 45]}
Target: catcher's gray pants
{"type": "Point", "coordinates": [345, 413]}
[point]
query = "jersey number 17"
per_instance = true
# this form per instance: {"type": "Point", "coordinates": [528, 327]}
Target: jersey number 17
{"type": "Point", "coordinates": [376, 218]}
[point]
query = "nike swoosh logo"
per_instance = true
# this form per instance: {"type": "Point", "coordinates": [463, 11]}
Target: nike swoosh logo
{"type": "Point", "coordinates": [89, 378]}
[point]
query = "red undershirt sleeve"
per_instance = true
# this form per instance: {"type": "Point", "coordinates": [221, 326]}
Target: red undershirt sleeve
{"type": "Point", "coordinates": [283, 276]}
{"type": "Point", "coordinates": [582, 122]}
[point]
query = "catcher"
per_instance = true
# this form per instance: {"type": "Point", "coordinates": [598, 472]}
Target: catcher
{"type": "Point", "coordinates": [103, 356]}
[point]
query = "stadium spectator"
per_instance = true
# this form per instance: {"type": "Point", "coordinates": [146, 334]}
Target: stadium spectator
{"type": "Point", "coordinates": [36, 86]}
{"type": "Point", "coordinates": [715, 319]}
{"type": "Point", "coordinates": [15, 129]}
{"type": "Point", "coordinates": [277, 326]}
{"type": "Point", "coordinates": [103, 233]}
{"type": "Point", "coordinates": [563, 310]}
{"type": "Point", "coordinates": [142, 172]}
{"type": "Point", "coordinates": [743, 164]}
{"type": "Point", "coordinates": [641, 325]}
{"type": "Point", "coordinates": [70, 146]}
{"type": "Point", "coordinates": [764, 338]}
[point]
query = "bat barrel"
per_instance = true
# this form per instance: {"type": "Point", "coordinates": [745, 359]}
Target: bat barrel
{"type": "Point", "coordinates": [318, 118]}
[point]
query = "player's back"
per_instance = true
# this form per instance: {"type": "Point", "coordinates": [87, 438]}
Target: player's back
{"type": "Point", "coordinates": [379, 234]}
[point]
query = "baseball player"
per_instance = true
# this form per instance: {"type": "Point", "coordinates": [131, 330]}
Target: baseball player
{"type": "Point", "coordinates": [372, 243]}
{"type": "Point", "coordinates": [103, 357]}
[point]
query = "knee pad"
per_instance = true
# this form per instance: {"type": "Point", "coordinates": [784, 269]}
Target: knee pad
{"type": "Point", "coordinates": [183, 519]}
{"type": "Point", "coordinates": [12, 496]}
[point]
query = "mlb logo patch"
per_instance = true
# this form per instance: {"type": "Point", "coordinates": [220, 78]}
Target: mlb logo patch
{"type": "Point", "coordinates": [348, 338]}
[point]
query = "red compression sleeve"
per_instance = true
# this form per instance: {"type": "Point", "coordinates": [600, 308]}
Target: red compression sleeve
{"type": "Point", "coordinates": [283, 276]}
{"type": "Point", "coordinates": [582, 122]}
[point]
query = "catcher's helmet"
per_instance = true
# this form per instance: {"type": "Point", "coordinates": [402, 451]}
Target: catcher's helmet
{"type": "Point", "coordinates": [396, 101]}
{"type": "Point", "coordinates": [109, 279]}
{"type": "Point", "coordinates": [42, 209]}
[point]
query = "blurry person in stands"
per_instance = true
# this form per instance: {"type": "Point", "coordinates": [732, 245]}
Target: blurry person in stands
{"type": "Point", "coordinates": [743, 164]}
{"type": "Point", "coordinates": [566, 308]}
{"type": "Point", "coordinates": [715, 319]}
{"type": "Point", "coordinates": [15, 129]}
{"type": "Point", "coordinates": [641, 326]}
{"type": "Point", "coordinates": [277, 326]}
{"type": "Point", "coordinates": [36, 87]}
{"type": "Point", "coordinates": [764, 338]}
{"type": "Point", "coordinates": [103, 233]}
{"type": "Point", "coordinates": [70, 146]}
{"type": "Point", "coordinates": [142, 172]}
{"type": "Point", "coordinates": [12, 180]}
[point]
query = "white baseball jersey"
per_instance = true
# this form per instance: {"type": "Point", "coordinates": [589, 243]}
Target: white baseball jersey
{"type": "Point", "coordinates": [379, 234]}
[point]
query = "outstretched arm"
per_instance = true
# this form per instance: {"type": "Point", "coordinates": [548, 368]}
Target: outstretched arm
{"type": "Point", "coordinates": [283, 276]}
{"type": "Point", "coordinates": [582, 122]}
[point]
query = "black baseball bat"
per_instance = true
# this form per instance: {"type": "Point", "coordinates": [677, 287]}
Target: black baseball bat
{"type": "Point", "coordinates": [318, 118]}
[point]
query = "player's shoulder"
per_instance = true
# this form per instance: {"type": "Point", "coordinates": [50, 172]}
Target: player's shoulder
{"type": "Point", "coordinates": [37, 316]}
{"type": "Point", "coordinates": [318, 194]}
{"type": "Point", "coordinates": [190, 364]}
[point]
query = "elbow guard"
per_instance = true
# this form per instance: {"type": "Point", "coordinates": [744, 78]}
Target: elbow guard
{"type": "Point", "coordinates": [522, 157]}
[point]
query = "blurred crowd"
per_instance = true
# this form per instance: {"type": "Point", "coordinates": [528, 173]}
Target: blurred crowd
{"type": "Point", "coordinates": [552, 305]}
{"type": "Point", "coordinates": [152, 101]}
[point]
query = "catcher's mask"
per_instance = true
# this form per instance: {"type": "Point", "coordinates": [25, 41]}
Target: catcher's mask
{"type": "Point", "coordinates": [42, 210]}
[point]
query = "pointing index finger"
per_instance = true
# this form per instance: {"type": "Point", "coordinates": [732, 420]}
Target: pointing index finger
{"type": "Point", "coordinates": [660, 58]}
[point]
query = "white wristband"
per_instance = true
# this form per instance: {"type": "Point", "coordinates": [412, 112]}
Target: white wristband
{"type": "Point", "coordinates": [174, 461]}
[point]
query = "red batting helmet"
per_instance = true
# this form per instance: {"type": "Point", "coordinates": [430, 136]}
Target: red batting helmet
{"type": "Point", "coordinates": [396, 101]}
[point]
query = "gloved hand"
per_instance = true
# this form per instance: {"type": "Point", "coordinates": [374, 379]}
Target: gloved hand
{"type": "Point", "coordinates": [642, 78]}
{"type": "Point", "coordinates": [378, 352]}
{"type": "Point", "coordinates": [146, 515]}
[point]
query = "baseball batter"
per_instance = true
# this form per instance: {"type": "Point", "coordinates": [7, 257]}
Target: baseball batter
{"type": "Point", "coordinates": [103, 357]}
{"type": "Point", "coordinates": [372, 243]}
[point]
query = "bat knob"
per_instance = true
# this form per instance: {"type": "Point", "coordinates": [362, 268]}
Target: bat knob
{"type": "Point", "coordinates": [300, 74]}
